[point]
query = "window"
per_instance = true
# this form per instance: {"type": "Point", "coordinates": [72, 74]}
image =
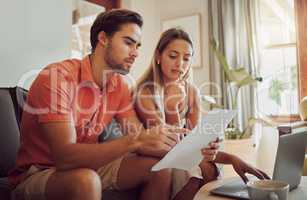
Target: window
{"type": "Point", "coordinates": [84, 15]}
{"type": "Point", "coordinates": [278, 93]}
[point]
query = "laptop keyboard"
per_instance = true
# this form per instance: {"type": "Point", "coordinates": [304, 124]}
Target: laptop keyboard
{"type": "Point", "coordinates": [235, 189]}
{"type": "Point", "coordinates": [242, 193]}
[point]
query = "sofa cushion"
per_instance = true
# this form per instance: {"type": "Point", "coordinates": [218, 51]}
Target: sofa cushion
{"type": "Point", "coordinates": [4, 189]}
{"type": "Point", "coordinates": [9, 133]}
{"type": "Point", "coordinates": [19, 97]}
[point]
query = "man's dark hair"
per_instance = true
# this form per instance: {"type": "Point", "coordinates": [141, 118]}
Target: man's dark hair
{"type": "Point", "coordinates": [111, 21]}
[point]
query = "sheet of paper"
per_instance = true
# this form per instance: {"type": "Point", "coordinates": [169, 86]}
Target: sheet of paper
{"type": "Point", "coordinates": [187, 153]}
{"type": "Point", "coordinates": [216, 122]}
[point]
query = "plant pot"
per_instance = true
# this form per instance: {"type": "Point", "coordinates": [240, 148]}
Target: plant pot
{"type": "Point", "coordinates": [233, 133]}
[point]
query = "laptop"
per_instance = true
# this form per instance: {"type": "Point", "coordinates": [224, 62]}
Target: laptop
{"type": "Point", "coordinates": [288, 166]}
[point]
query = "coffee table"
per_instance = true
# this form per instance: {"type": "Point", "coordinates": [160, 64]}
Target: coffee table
{"type": "Point", "coordinates": [299, 193]}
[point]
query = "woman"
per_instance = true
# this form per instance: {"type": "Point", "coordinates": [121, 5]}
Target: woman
{"type": "Point", "coordinates": [165, 96]}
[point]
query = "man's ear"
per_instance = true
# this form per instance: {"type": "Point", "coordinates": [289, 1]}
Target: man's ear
{"type": "Point", "coordinates": [103, 38]}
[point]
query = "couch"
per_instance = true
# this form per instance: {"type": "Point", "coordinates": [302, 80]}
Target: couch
{"type": "Point", "coordinates": [11, 103]}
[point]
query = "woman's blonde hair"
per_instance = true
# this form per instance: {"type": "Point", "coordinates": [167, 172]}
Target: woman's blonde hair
{"type": "Point", "coordinates": [152, 77]}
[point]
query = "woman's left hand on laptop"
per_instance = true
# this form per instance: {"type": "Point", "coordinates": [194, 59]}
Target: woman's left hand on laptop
{"type": "Point", "coordinates": [242, 168]}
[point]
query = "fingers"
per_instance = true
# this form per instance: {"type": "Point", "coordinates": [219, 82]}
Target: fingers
{"type": "Point", "coordinates": [261, 175]}
{"type": "Point", "coordinates": [243, 177]}
{"type": "Point", "coordinates": [154, 130]}
{"type": "Point", "coordinates": [181, 136]}
{"type": "Point", "coordinates": [211, 150]}
{"type": "Point", "coordinates": [174, 137]}
{"type": "Point", "coordinates": [174, 129]}
{"type": "Point", "coordinates": [219, 139]}
{"type": "Point", "coordinates": [165, 147]}
{"type": "Point", "coordinates": [214, 145]}
{"type": "Point", "coordinates": [264, 175]}
{"type": "Point", "coordinates": [175, 132]}
{"type": "Point", "coordinates": [209, 154]}
{"type": "Point", "coordinates": [165, 134]}
{"type": "Point", "coordinates": [256, 173]}
{"type": "Point", "coordinates": [169, 140]}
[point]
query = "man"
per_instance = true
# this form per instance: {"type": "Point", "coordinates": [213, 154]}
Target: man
{"type": "Point", "coordinates": [68, 106]}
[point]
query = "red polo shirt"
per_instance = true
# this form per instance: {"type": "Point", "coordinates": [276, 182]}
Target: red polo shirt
{"type": "Point", "coordinates": [66, 91]}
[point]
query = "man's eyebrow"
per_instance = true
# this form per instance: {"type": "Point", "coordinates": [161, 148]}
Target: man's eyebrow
{"type": "Point", "coordinates": [132, 40]}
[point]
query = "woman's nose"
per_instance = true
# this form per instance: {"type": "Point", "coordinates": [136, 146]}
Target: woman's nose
{"type": "Point", "coordinates": [179, 63]}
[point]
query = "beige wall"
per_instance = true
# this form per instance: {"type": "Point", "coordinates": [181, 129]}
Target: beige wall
{"type": "Point", "coordinates": [154, 12]}
{"type": "Point", "coordinates": [33, 34]}
{"type": "Point", "coordinates": [176, 8]}
{"type": "Point", "coordinates": [25, 45]}
{"type": "Point", "coordinates": [151, 31]}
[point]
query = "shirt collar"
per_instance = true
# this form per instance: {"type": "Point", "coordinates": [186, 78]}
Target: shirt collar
{"type": "Point", "coordinates": [87, 75]}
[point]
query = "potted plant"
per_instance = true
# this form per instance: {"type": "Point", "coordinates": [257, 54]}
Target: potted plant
{"type": "Point", "coordinates": [236, 78]}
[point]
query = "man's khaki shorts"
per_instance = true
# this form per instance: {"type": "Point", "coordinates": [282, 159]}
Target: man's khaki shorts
{"type": "Point", "coordinates": [33, 187]}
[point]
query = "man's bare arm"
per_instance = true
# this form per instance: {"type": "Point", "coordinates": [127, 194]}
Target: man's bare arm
{"type": "Point", "coordinates": [68, 154]}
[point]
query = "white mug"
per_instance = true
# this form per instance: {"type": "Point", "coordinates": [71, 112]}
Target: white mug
{"type": "Point", "coordinates": [268, 190]}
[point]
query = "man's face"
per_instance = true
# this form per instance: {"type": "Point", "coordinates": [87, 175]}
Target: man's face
{"type": "Point", "coordinates": [122, 48]}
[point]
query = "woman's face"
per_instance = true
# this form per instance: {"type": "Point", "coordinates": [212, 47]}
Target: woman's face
{"type": "Point", "coordinates": [175, 60]}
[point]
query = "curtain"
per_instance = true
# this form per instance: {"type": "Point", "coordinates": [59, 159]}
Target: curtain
{"type": "Point", "coordinates": [233, 24]}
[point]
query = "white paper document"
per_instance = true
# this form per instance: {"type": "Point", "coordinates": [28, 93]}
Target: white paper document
{"type": "Point", "coordinates": [187, 153]}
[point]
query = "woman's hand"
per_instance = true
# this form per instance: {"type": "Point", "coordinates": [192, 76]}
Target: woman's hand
{"type": "Point", "coordinates": [209, 171]}
{"type": "Point", "coordinates": [208, 168]}
{"type": "Point", "coordinates": [174, 95]}
{"type": "Point", "coordinates": [211, 151]}
{"type": "Point", "coordinates": [242, 168]}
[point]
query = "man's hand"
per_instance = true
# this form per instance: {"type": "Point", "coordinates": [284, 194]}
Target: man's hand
{"type": "Point", "coordinates": [242, 168]}
{"type": "Point", "coordinates": [159, 140]}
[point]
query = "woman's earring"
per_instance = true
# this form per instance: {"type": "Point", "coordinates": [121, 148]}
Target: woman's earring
{"type": "Point", "coordinates": [158, 62]}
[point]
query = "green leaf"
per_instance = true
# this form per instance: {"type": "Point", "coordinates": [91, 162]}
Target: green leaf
{"type": "Point", "coordinates": [247, 132]}
{"type": "Point", "coordinates": [222, 60]}
{"type": "Point", "coordinates": [275, 90]}
{"type": "Point", "coordinates": [247, 81]}
{"type": "Point", "coordinates": [252, 121]}
{"type": "Point", "coordinates": [239, 76]}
